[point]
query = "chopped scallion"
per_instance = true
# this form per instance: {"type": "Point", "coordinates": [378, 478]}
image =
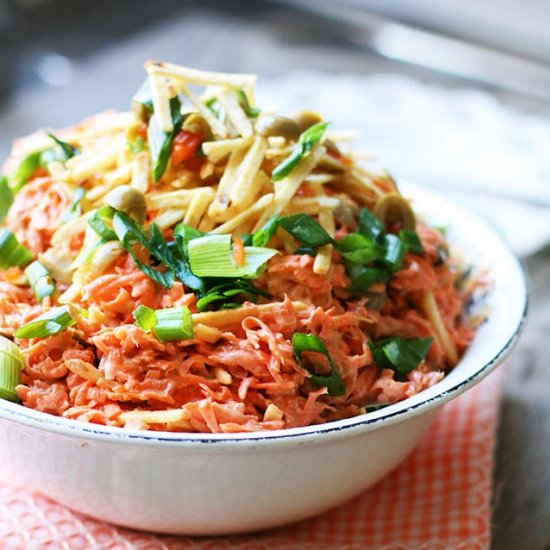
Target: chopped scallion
{"type": "Point", "coordinates": [184, 274]}
{"type": "Point", "coordinates": [266, 233]}
{"type": "Point", "coordinates": [12, 252]}
{"type": "Point", "coordinates": [224, 296]}
{"type": "Point", "coordinates": [101, 223]}
{"type": "Point", "coordinates": [160, 142]}
{"type": "Point", "coordinates": [310, 343]}
{"type": "Point", "coordinates": [247, 239]}
{"type": "Point", "coordinates": [245, 104]}
{"type": "Point", "coordinates": [40, 280]}
{"type": "Point", "coordinates": [370, 225]}
{"type": "Point", "coordinates": [130, 233]}
{"type": "Point", "coordinates": [359, 249]}
{"type": "Point", "coordinates": [400, 354]}
{"type": "Point", "coordinates": [39, 159]}
{"type": "Point", "coordinates": [175, 323]}
{"type": "Point", "coordinates": [11, 365]}
{"type": "Point", "coordinates": [50, 323]}
{"type": "Point", "coordinates": [28, 166]}
{"type": "Point", "coordinates": [394, 253]}
{"type": "Point", "coordinates": [214, 105]}
{"type": "Point", "coordinates": [144, 96]}
{"type": "Point", "coordinates": [6, 198]}
{"type": "Point", "coordinates": [364, 277]}
{"type": "Point", "coordinates": [309, 250]}
{"type": "Point", "coordinates": [69, 150]}
{"type": "Point", "coordinates": [183, 234]}
{"type": "Point", "coordinates": [145, 317]}
{"type": "Point", "coordinates": [210, 256]}
{"type": "Point", "coordinates": [411, 241]}
{"type": "Point", "coordinates": [372, 255]}
{"type": "Point", "coordinates": [306, 230]}
{"type": "Point", "coordinates": [307, 141]}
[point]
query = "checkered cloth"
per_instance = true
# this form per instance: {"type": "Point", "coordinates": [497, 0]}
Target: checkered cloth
{"type": "Point", "coordinates": [439, 498]}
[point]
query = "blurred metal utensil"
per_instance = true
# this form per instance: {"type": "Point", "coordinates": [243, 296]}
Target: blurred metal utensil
{"type": "Point", "coordinates": [428, 49]}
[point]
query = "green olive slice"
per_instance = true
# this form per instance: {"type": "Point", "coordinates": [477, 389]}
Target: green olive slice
{"type": "Point", "coordinates": [272, 126]}
{"type": "Point", "coordinates": [306, 119]}
{"type": "Point", "coordinates": [392, 209]}
{"type": "Point", "coordinates": [196, 124]}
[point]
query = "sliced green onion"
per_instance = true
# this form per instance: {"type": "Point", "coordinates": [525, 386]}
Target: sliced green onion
{"type": "Point", "coordinates": [394, 253]}
{"type": "Point", "coordinates": [358, 249]}
{"type": "Point", "coordinates": [266, 233]}
{"type": "Point", "coordinates": [185, 275]}
{"type": "Point", "coordinates": [223, 296]}
{"type": "Point", "coordinates": [306, 230]}
{"type": "Point", "coordinates": [411, 241]}
{"type": "Point", "coordinates": [399, 354]}
{"type": "Point", "coordinates": [247, 239]}
{"type": "Point", "coordinates": [309, 342]}
{"type": "Point", "coordinates": [12, 252]}
{"type": "Point", "coordinates": [40, 280]}
{"type": "Point", "coordinates": [11, 365]}
{"type": "Point", "coordinates": [372, 256]}
{"type": "Point", "coordinates": [145, 317]}
{"type": "Point", "coordinates": [364, 277]}
{"type": "Point", "coordinates": [211, 299]}
{"type": "Point", "coordinates": [68, 150]}
{"type": "Point", "coordinates": [99, 223]}
{"type": "Point", "coordinates": [75, 209]}
{"type": "Point", "coordinates": [6, 198]}
{"type": "Point", "coordinates": [370, 225]}
{"type": "Point", "coordinates": [307, 141]}
{"type": "Point", "coordinates": [28, 166]}
{"type": "Point", "coordinates": [39, 159]}
{"type": "Point", "coordinates": [214, 105]}
{"type": "Point", "coordinates": [157, 243]}
{"type": "Point", "coordinates": [129, 233]}
{"type": "Point", "coordinates": [160, 142]}
{"type": "Point", "coordinates": [309, 250]}
{"type": "Point", "coordinates": [50, 323]}
{"type": "Point", "coordinates": [245, 104]}
{"type": "Point", "coordinates": [175, 323]}
{"type": "Point", "coordinates": [183, 234]}
{"type": "Point", "coordinates": [211, 256]}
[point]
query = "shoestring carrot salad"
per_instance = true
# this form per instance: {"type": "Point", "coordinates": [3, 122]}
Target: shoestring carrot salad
{"type": "Point", "coordinates": [200, 265]}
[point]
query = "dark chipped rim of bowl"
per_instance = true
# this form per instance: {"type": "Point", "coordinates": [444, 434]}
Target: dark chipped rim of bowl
{"type": "Point", "coordinates": [348, 427]}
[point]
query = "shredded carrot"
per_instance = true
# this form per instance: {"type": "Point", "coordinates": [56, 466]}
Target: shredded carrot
{"type": "Point", "coordinates": [238, 372]}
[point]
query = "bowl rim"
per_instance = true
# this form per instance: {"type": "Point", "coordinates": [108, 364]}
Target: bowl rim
{"type": "Point", "coordinates": [387, 416]}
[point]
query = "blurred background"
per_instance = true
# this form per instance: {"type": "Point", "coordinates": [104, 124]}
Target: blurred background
{"type": "Point", "coordinates": [431, 85]}
{"type": "Point", "coordinates": [453, 95]}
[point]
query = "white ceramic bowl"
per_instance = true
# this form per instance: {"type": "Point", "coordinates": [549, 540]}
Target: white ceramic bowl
{"type": "Point", "coordinates": [198, 484]}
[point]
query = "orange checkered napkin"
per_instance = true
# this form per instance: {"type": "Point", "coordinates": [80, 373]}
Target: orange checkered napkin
{"type": "Point", "coordinates": [439, 498]}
